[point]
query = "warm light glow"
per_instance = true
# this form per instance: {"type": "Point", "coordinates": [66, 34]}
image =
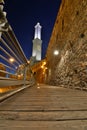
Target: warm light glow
{"type": "Point", "coordinates": [42, 66]}
{"type": "Point", "coordinates": [11, 60]}
{"type": "Point", "coordinates": [19, 76]}
{"type": "Point", "coordinates": [1, 90]}
{"type": "Point", "coordinates": [56, 52]}
{"type": "Point", "coordinates": [44, 63]}
{"type": "Point", "coordinates": [45, 68]}
{"type": "Point", "coordinates": [28, 61]}
{"type": "Point", "coordinates": [38, 87]}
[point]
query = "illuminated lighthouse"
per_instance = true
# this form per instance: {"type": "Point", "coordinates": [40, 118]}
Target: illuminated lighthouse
{"type": "Point", "coordinates": [37, 43]}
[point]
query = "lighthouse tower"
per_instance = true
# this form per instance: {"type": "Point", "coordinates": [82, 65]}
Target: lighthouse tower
{"type": "Point", "coordinates": [37, 43]}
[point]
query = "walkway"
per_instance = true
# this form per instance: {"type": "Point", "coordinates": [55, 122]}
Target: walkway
{"type": "Point", "coordinates": [45, 108]}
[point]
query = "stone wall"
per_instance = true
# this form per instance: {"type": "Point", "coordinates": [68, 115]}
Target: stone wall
{"type": "Point", "coordinates": [69, 37]}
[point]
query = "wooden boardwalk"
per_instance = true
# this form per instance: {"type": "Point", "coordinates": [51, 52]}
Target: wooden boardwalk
{"type": "Point", "coordinates": [45, 108]}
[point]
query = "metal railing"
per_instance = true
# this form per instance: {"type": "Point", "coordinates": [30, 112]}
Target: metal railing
{"type": "Point", "coordinates": [14, 66]}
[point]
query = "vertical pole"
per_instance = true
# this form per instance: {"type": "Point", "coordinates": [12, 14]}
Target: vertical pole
{"type": "Point", "coordinates": [25, 72]}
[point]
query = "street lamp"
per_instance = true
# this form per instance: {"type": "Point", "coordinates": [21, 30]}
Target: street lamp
{"type": "Point", "coordinates": [56, 52]}
{"type": "Point", "coordinates": [11, 60]}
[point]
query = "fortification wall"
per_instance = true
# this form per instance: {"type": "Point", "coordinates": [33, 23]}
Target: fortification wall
{"type": "Point", "coordinates": [69, 37]}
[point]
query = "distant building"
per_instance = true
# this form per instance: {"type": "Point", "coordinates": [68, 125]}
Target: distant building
{"type": "Point", "coordinates": [37, 43]}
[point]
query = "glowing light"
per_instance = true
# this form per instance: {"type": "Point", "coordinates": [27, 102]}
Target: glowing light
{"type": "Point", "coordinates": [42, 66]}
{"type": "Point", "coordinates": [37, 31]}
{"type": "Point", "coordinates": [44, 63]}
{"type": "Point", "coordinates": [38, 87]}
{"type": "Point", "coordinates": [28, 61]}
{"type": "Point", "coordinates": [1, 90]}
{"type": "Point", "coordinates": [11, 60]}
{"type": "Point", "coordinates": [46, 68]}
{"type": "Point", "coordinates": [56, 52]}
{"type": "Point", "coordinates": [19, 76]}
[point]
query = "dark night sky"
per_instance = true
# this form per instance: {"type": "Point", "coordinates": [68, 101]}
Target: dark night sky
{"type": "Point", "coordinates": [24, 15]}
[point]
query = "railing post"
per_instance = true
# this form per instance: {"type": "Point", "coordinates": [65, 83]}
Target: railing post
{"type": "Point", "coordinates": [25, 72]}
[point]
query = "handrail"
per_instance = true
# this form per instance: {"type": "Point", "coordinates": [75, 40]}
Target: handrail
{"type": "Point", "coordinates": [13, 62]}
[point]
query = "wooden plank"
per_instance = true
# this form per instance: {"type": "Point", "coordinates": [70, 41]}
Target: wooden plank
{"type": "Point", "coordinates": [46, 107]}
